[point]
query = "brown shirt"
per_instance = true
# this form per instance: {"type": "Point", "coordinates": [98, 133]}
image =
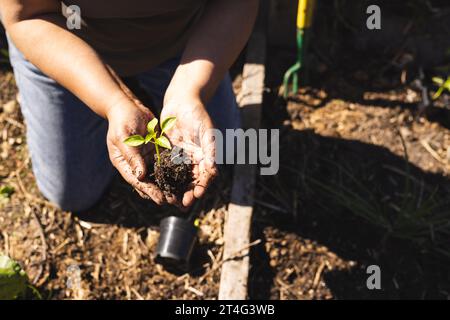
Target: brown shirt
{"type": "Point", "coordinates": [134, 35]}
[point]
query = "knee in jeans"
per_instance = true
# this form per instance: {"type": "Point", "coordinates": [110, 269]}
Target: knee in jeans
{"type": "Point", "coordinates": [73, 201]}
{"type": "Point", "coordinates": [74, 197]}
{"type": "Point", "coordinates": [74, 204]}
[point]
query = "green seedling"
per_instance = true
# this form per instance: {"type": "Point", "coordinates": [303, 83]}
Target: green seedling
{"type": "Point", "coordinates": [13, 280]}
{"type": "Point", "coordinates": [443, 85]}
{"type": "Point", "coordinates": [6, 191]}
{"type": "Point", "coordinates": [152, 135]}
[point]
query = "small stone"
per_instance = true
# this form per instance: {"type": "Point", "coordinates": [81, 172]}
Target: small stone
{"type": "Point", "coordinates": [5, 147]}
{"type": "Point", "coordinates": [273, 263]}
{"type": "Point", "coordinates": [152, 238]}
{"type": "Point", "coordinates": [273, 253]}
{"type": "Point", "coordinates": [10, 107]}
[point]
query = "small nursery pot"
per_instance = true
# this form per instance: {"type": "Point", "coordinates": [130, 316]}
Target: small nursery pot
{"type": "Point", "coordinates": [176, 242]}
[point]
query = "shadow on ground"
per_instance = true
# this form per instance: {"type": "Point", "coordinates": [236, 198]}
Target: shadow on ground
{"type": "Point", "coordinates": [360, 201]}
{"type": "Point", "coordinates": [364, 204]}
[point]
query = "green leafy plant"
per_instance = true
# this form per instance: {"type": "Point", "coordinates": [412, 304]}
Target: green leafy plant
{"type": "Point", "coordinates": [443, 85]}
{"type": "Point", "coordinates": [6, 191]}
{"type": "Point", "coordinates": [13, 279]}
{"type": "Point", "coordinates": [152, 135]}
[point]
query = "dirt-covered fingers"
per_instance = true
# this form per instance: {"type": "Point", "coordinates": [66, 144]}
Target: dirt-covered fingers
{"type": "Point", "coordinates": [206, 175]}
{"type": "Point", "coordinates": [146, 189]}
{"type": "Point", "coordinates": [149, 191]}
{"type": "Point", "coordinates": [134, 158]}
{"type": "Point", "coordinates": [207, 168]}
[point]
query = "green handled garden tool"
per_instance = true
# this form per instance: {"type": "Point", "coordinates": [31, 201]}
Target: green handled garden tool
{"type": "Point", "coordinates": [304, 18]}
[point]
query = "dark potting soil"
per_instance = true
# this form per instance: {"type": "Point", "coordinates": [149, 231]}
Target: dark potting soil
{"type": "Point", "coordinates": [173, 176]}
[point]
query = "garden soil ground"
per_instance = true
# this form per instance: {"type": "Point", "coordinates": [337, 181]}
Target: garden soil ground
{"type": "Point", "coordinates": [348, 150]}
{"type": "Point", "coordinates": [310, 248]}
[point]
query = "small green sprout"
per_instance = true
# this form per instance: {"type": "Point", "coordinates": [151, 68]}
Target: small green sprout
{"type": "Point", "coordinates": [13, 280]}
{"type": "Point", "coordinates": [152, 135]}
{"type": "Point", "coordinates": [6, 191]}
{"type": "Point", "coordinates": [443, 85]}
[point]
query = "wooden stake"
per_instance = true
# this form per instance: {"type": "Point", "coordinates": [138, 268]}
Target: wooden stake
{"type": "Point", "coordinates": [235, 268]}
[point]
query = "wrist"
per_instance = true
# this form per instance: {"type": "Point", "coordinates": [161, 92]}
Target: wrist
{"type": "Point", "coordinates": [182, 96]}
{"type": "Point", "coordinates": [114, 102]}
{"type": "Point", "coordinates": [181, 102]}
{"type": "Point", "coordinates": [118, 105]}
{"type": "Point", "coordinates": [181, 106]}
{"type": "Point", "coordinates": [183, 89]}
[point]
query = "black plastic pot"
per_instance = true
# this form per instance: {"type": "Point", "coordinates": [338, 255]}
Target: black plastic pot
{"type": "Point", "coordinates": [176, 241]}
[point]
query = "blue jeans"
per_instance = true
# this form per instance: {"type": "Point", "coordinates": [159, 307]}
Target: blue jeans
{"type": "Point", "coordinates": [67, 141]}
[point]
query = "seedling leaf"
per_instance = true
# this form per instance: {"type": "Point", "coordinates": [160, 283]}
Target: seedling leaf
{"type": "Point", "coordinates": [149, 137]}
{"type": "Point", "coordinates": [163, 142]}
{"type": "Point", "coordinates": [167, 124]}
{"type": "Point", "coordinates": [134, 141]}
{"type": "Point", "coordinates": [443, 85]}
{"type": "Point", "coordinates": [438, 80]}
{"type": "Point", "coordinates": [152, 125]}
{"type": "Point", "coordinates": [152, 136]}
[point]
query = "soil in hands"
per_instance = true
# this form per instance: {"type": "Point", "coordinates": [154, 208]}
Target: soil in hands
{"type": "Point", "coordinates": [173, 175]}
